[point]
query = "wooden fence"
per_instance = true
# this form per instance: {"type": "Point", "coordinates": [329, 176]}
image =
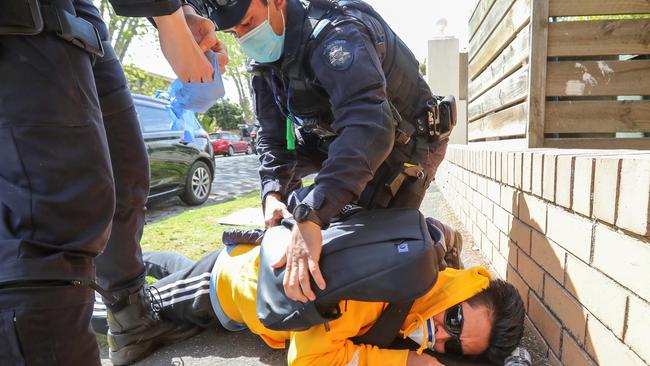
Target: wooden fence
{"type": "Point", "coordinates": [560, 73]}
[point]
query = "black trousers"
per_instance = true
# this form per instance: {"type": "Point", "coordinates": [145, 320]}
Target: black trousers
{"type": "Point", "coordinates": [181, 291]}
{"type": "Point", "coordinates": [72, 179]}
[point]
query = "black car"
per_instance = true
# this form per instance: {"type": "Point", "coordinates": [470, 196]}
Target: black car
{"type": "Point", "coordinates": [180, 165]}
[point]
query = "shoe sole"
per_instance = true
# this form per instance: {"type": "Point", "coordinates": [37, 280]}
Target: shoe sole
{"type": "Point", "coordinates": [128, 355]}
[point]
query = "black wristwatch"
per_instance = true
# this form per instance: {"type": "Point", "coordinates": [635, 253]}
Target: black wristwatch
{"type": "Point", "coordinates": [304, 212]}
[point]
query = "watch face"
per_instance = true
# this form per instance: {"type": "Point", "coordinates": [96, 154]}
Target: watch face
{"type": "Point", "coordinates": [301, 212]}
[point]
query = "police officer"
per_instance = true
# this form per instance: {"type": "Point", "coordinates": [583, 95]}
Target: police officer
{"type": "Point", "coordinates": [74, 175]}
{"type": "Point", "coordinates": [339, 94]}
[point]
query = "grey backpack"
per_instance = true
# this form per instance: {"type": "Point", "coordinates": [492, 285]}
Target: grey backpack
{"type": "Point", "coordinates": [383, 255]}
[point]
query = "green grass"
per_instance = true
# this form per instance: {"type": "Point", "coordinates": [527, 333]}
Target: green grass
{"type": "Point", "coordinates": [196, 232]}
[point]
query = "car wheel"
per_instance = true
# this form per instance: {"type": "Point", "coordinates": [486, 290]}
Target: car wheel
{"type": "Point", "coordinates": [249, 150]}
{"type": "Point", "coordinates": [231, 151]}
{"type": "Point", "coordinates": [198, 184]}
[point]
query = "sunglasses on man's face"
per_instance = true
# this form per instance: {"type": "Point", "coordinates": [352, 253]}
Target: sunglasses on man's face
{"type": "Point", "coordinates": [454, 326]}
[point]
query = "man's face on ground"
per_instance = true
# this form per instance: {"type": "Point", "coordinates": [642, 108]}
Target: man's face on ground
{"type": "Point", "coordinates": [475, 334]}
{"type": "Point", "coordinates": [257, 13]}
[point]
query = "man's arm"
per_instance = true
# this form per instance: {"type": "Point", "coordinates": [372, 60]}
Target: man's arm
{"type": "Point", "coordinates": [347, 66]}
{"type": "Point", "coordinates": [277, 163]}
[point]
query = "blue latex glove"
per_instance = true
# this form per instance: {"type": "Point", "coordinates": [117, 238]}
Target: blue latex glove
{"type": "Point", "coordinates": [198, 97]}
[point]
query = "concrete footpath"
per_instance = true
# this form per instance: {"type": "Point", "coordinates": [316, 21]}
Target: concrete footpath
{"type": "Point", "coordinates": [218, 347]}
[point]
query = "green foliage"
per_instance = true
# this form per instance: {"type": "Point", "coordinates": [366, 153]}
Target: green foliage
{"type": "Point", "coordinates": [143, 82]}
{"type": "Point", "coordinates": [423, 67]}
{"type": "Point", "coordinates": [121, 30]}
{"type": "Point", "coordinates": [224, 115]}
{"type": "Point", "coordinates": [237, 72]}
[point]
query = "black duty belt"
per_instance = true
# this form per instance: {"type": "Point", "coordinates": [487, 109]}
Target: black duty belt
{"type": "Point", "coordinates": [31, 17]}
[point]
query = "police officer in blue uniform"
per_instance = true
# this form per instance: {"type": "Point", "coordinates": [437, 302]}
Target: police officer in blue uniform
{"type": "Point", "coordinates": [337, 93]}
{"type": "Point", "coordinates": [74, 179]}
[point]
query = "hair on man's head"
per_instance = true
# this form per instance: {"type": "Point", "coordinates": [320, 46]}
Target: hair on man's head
{"type": "Point", "coordinates": [507, 311]}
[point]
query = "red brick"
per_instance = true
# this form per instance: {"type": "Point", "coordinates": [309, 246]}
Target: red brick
{"type": "Point", "coordinates": [502, 219]}
{"type": "Point", "coordinates": [549, 255]}
{"type": "Point", "coordinates": [634, 198]}
{"type": "Point", "coordinates": [530, 272]}
{"type": "Point", "coordinates": [600, 295]}
{"type": "Point", "coordinates": [606, 349]}
{"type": "Point", "coordinates": [564, 180]}
{"type": "Point", "coordinates": [546, 323]}
{"type": "Point", "coordinates": [520, 234]}
{"type": "Point", "coordinates": [509, 200]}
{"type": "Point", "coordinates": [538, 170]}
{"type": "Point", "coordinates": [570, 312]}
{"type": "Point", "coordinates": [623, 258]}
{"type": "Point", "coordinates": [573, 354]}
{"type": "Point", "coordinates": [494, 191]}
{"type": "Point", "coordinates": [548, 177]}
{"type": "Point", "coordinates": [532, 211]}
{"type": "Point", "coordinates": [515, 279]}
{"type": "Point", "coordinates": [582, 185]}
{"type": "Point", "coordinates": [553, 360]}
{"type": "Point", "coordinates": [638, 323]}
{"type": "Point", "coordinates": [606, 180]}
{"type": "Point", "coordinates": [571, 231]}
{"type": "Point", "coordinates": [527, 172]}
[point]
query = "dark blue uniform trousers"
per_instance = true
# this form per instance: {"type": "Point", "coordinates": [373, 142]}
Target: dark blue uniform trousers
{"type": "Point", "coordinates": [73, 184]}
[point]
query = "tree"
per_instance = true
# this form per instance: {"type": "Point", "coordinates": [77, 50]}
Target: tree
{"type": "Point", "coordinates": [238, 73]}
{"type": "Point", "coordinates": [225, 115]}
{"type": "Point", "coordinates": [121, 30]}
{"type": "Point", "coordinates": [143, 82]}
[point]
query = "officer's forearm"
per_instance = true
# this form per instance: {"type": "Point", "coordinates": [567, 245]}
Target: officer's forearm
{"type": "Point", "coordinates": [130, 8]}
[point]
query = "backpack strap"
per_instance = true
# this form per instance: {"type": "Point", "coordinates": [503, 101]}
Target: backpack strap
{"type": "Point", "coordinates": [385, 330]}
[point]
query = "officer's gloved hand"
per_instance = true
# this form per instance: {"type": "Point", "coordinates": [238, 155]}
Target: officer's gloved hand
{"type": "Point", "coordinates": [198, 97]}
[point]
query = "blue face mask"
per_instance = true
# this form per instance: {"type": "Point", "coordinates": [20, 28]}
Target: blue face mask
{"type": "Point", "coordinates": [262, 44]}
{"type": "Point", "coordinates": [198, 97]}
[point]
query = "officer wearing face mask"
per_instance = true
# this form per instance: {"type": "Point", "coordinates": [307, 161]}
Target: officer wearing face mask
{"type": "Point", "coordinates": [339, 94]}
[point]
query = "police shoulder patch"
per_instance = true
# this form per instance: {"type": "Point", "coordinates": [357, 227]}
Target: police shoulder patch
{"type": "Point", "coordinates": [338, 54]}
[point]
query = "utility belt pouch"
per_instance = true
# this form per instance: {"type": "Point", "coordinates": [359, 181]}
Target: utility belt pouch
{"type": "Point", "coordinates": [20, 17]}
{"type": "Point", "coordinates": [439, 118]}
{"type": "Point", "coordinates": [73, 29]}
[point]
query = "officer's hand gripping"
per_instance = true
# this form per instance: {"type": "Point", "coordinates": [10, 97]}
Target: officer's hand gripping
{"type": "Point", "coordinates": [301, 260]}
{"type": "Point", "coordinates": [204, 33]}
{"type": "Point", "coordinates": [274, 210]}
{"type": "Point", "coordinates": [181, 50]}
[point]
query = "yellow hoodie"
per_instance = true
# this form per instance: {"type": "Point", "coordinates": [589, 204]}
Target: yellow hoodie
{"type": "Point", "coordinates": [237, 286]}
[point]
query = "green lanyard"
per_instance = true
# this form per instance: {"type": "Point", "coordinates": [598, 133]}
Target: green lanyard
{"type": "Point", "coordinates": [291, 135]}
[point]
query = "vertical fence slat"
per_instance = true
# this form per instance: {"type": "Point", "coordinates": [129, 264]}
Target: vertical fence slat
{"type": "Point", "coordinates": [537, 74]}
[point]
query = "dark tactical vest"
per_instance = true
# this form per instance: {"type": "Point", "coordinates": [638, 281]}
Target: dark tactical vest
{"type": "Point", "coordinates": [408, 93]}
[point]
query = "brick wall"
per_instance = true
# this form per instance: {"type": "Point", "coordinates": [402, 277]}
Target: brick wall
{"type": "Point", "coordinates": [570, 230]}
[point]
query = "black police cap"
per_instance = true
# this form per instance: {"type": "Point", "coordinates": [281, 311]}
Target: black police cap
{"type": "Point", "coordinates": [228, 13]}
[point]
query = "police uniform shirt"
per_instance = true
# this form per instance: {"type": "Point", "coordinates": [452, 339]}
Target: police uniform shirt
{"type": "Point", "coordinates": [344, 63]}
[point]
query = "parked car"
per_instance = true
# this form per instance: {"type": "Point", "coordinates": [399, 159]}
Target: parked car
{"type": "Point", "coordinates": [180, 165]}
{"type": "Point", "coordinates": [229, 143]}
